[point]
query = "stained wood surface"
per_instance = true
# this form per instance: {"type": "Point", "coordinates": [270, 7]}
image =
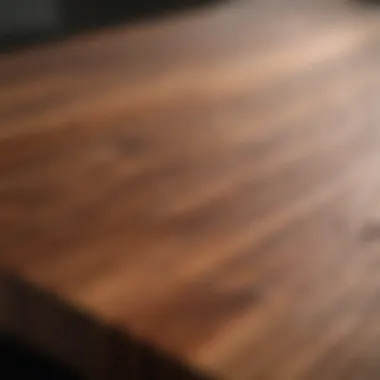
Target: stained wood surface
{"type": "Point", "coordinates": [197, 197]}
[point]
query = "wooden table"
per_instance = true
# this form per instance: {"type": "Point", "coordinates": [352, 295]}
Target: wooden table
{"type": "Point", "coordinates": [197, 197]}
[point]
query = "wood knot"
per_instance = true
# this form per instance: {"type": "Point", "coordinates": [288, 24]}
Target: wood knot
{"type": "Point", "coordinates": [130, 145]}
{"type": "Point", "coordinates": [371, 232]}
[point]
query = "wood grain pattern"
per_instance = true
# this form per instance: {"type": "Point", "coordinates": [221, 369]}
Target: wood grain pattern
{"type": "Point", "coordinates": [197, 197]}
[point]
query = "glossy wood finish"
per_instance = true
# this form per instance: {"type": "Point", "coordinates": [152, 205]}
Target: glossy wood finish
{"type": "Point", "coordinates": [198, 196]}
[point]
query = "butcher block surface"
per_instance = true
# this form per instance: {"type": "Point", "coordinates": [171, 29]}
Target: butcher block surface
{"type": "Point", "coordinates": [197, 197]}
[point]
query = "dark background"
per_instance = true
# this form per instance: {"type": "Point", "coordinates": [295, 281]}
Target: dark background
{"type": "Point", "coordinates": [30, 21]}
{"type": "Point", "coordinates": [18, 361]}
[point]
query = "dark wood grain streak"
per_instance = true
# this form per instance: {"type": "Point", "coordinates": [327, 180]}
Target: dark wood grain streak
{"type": "Point", "coordinates": [197, 197]}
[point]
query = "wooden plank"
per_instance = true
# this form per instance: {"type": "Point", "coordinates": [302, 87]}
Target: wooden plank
{"type": "Point", "coordinates": [197, 197]}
